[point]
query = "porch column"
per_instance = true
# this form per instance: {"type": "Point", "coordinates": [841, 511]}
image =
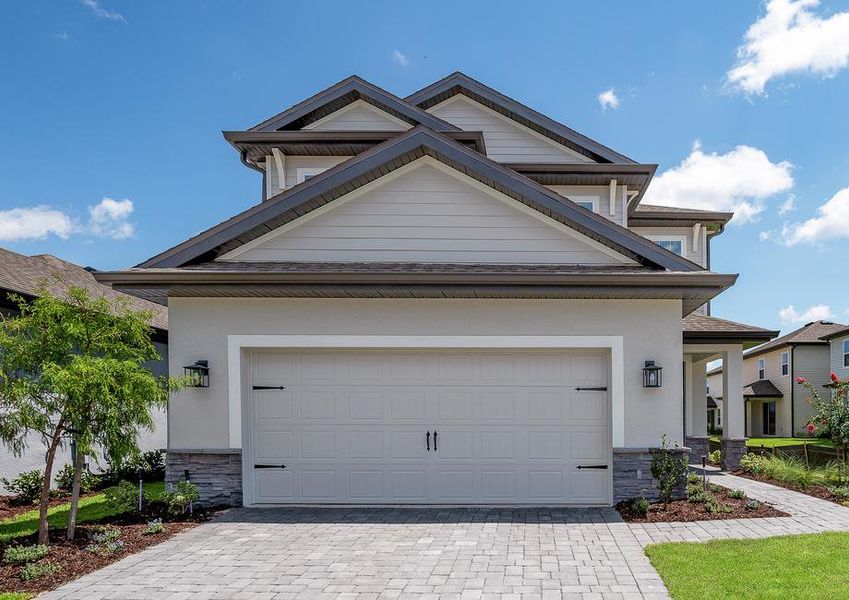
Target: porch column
{"type": "Point", "coordinates": [733, 427]}
{"type": "Point", "coordinates": [697, 438]}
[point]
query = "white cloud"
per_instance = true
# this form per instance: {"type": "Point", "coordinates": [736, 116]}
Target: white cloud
{"type": "Point", "coordinates": [399, 58]}
{"type": "Point", "coordinates": [608, 99]}
{"type": "Point", "coordinates": [109, 218]}
{"type": "Point", "coordinates": [817, 312]}
{"type": "Point", "coordinates": [790, 38]}
{"type": "Point", "coordinates": [764, 235]}
{"type": "Point", "coordinates": [740, 181]}
{"type": "Point", "coordinates": [63, 36]}
{"type": "Point", "coordinates": [35, 223]}
{"type": "Point", "coordinates": [787, 206]}
{"type": "Point", "coordinates": [102, 13]}
{"type": "Point", "coordinates": [831, 223]}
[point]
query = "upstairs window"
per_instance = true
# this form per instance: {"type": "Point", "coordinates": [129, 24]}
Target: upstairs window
{"type": "Point", "coordinates": [307, 173]}
{"type": "Point", "coordinates": [846, 352]}
{"type": "Point", "coordinates": [672, 243]}
{"type": "Point", "coordinates": [588, 202]}
{"type": "Point", "coordinates": [761, 368]}
{"type": "Point", "coordinates": [785, 363]}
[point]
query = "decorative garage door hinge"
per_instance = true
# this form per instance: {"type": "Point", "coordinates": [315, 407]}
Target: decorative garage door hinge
{"type": "Point", "coordinates": [591, 389]}
{"type": "Point", "coordinates": [592, 466]}
{"type": "Point", "coordinates": [269, 387]}
{"type": "Point", "coordinates": [269, 466]}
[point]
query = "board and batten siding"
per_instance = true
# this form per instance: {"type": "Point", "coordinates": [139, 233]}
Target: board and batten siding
{"type": "Point", "coordinates": [359, 116]}
{"type": "Point", "coordinates": [506, 140]}
{"type": "Point", "coordinates": [602, 194]}
{"type": "Point", "coordinates": [292, 164]}
{"type": "Point", "coordinates": [427, 212]}
{"type": "Point", "coordinates": [836, 351]}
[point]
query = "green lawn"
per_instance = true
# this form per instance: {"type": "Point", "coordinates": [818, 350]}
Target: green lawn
{"type": "Point", "coordinates": [778, 442]}
{"type": "Point", "coordinates": [811, 567]}
{"type": "Point", "coordinates": [15, 596]}
{"type": "Point", "coordinates": [91, 509]}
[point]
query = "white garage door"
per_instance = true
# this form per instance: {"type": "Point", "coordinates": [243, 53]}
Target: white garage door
{"type": "Point", "coordinates": [428, 426]}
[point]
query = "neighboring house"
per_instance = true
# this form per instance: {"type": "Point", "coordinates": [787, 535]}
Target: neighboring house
{"type": "Point", "coordinates": [714, 400]}
{"type": "Point", "coordinates": [447, 298]}
{"type": "Point", "coordinates": [26, 276]}
{"type": "Point", "coordinates": [776, 404]}
{"type": "Point", "coordinates": [839, 352]}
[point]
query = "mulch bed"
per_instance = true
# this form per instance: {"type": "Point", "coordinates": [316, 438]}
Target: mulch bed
{"type": "Point", "coordinates": [686, 511]}
{"type": "Point", "coordinates": [77, 561]}
{"type": "Point", "coordinates": [817, 491]}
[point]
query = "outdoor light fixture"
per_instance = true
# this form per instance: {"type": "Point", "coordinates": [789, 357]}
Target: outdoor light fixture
{"type": "Point", "coordinates": [198, 374]}
{"type": "Point", "coordinates": [652, 375]}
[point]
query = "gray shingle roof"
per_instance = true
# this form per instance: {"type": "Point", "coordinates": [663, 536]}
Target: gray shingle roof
{"type": "Point", "coordinates": [811, 333]}
{"type": "Point", "coordinates": [25, 275]}
{"type": "Point", "coordinates": [761, 389]}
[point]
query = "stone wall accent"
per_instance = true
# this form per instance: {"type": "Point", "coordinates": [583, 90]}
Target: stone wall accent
{"type": "Point", "coordinates": [732, 452]}
{"type": "Point", "coordinates": [632, 475]}
{"type": "Point", "coordinates": [217, 473]}
{"type": "Point", "coordinates": [698, 447]}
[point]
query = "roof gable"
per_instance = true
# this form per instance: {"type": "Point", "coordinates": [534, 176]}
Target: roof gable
{"type": "Point", "coordinates": [341, 94]}
{"type": "Point", "coordinates": [427, 212]}
{"type": "Point", "coordinates": [359, 115]}
{"type": "Point", "coordinates": [390, 155]}
{"type": "Point", "coordinates": [812, 333]}
{"type": "Point", "coordinates": [459, 83]}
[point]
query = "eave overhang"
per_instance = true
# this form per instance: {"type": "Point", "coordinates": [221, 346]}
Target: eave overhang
{"type": "Point", "coordinates": [459, 83]}
{"type": "Point", "coordinates": [394, 153]}
{"type": "Point", "coordinates": [672, 218]}
{"type": "Point", "coordinates": [343, 93]}
{"type": "Point", "coordinates": [634, 175]}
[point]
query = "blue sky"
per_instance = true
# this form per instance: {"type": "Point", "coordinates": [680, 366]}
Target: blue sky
{"type": "Point", "coordinates": [126, 101]}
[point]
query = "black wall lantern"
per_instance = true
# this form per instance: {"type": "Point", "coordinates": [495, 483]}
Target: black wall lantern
{"type": "Point", "coordinates": [198, 374]}
{"type": "Point", "coordinates": [652, 375]}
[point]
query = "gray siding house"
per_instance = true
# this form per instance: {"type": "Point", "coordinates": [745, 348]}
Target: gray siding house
{"type": "Point", "coordinates": [838, 342]}
{"type": "Point", "coordinates": [445, 298]}
{"type": "Point", "coordinates": [25, 276]}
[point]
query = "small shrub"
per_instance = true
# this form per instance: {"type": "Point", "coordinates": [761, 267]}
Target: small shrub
{"type": "Point", "coordinates": [715, 457]}
{"type": "Point", "coordinates": [105, 540]}
{"type": "Point", "coordinates": [640, 506]}
{"type": "Point", "coordinates": [737, 494]}
{"type": "Point", "coordinates": [65, 480]}
{"type": "Point", "coordinates": [667, 468]}
{"type": "Point", "coordinates": [693, 478]}
{"type": "Point", "coordinates": [712, 505]}
{"type": "Point", "coordinates": [153, 527]}
{"type": "Point", "coordinates": [753, 463]}
{"type": "Point", "coordinates": [839, 491]}
{"type": "Point", "coordinates": [696, 494]}
{"type": "Point", "coordinates": [36, 570]}
{"type": "Point", "coordinates": [752, 504]}
{"type": "Point", "coordinates": [123, 497]}
{"type": "Point", "coordinates": [151, 463]}
{"type": "Point", "coordinates": [179, 499]}
{"type": "Point", "coordinates": [19, 555]}
{"type": "Point", "coordinates": [26, 487]}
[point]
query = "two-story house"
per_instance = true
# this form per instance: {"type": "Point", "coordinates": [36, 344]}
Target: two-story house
{"type": "Point", "coordinates": [776, 405]}
{"type": "Point", "coordinates": [839, 352]}
{"type": "Point", "coordinates": [444, 298]}
{"type": "Point", "coordinates": [714, 399]}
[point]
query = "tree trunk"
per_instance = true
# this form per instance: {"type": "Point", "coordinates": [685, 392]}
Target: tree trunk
{"type": "Point", "coordinates": [75, 494]}
{"type": "Point", "coordinates": [43, 528]}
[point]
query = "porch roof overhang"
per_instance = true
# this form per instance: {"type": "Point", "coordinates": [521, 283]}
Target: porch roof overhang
{"type": "Point", "coordinates": [704, 329]}
{"type": "Point", "coordinates": [408, 280]}
{"type": "Point", "coordinates": [761, 389]}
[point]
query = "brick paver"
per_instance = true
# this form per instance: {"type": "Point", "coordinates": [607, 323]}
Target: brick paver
{"type": "Point", "coordinates": [428, 553]}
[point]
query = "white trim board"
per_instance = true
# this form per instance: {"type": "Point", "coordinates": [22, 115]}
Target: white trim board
{"type": "Point", "coordinates": [424, 161]}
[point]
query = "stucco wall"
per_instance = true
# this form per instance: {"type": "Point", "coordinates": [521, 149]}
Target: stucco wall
{"type": "Point", "coordinates": [199, 418]}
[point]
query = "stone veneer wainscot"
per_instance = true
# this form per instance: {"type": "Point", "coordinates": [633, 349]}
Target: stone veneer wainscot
{"type": "Point", "coordinates": [632, 475]}
{"type": "Point", "coordinates": [216, 473]}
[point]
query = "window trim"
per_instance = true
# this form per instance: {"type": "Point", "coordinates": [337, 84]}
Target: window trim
{"type": "Point", "coordinates": [302, 172]}
{"type": "Point", "coordinates": [846, 352]}
{"type": "Point", "coordinates": [595, 200]}
{"type": "Point", "coordinates": [784, 362]}
{"type": "Point", "coordinates": [761, 369]}
{"type": "Point", "coordinates": [671, 238]}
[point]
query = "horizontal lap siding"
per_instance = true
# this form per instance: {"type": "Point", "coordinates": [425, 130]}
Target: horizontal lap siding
{"type": "Point", "coordinates": [782, 382]}
{"type": "Point", "coordinates": [427, 216]}
{"type": "Point", "coordinates": [602, 192]}
{"type": "Point", "coordinates": [506, 141]}
{"type": "Point", "coordinates": [358, 118]}
{"type": "Point", "coordinates": [812, 363]}
{"type": "Point", "coordinates": [837, 357]}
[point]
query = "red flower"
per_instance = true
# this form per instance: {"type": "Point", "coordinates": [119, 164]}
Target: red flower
{"type": "Point", "coordinates": [834, 377]}
{"type": "Point", "coordinates": [811, 428]}
{"type": "Point", "coordinates": [801, 380]}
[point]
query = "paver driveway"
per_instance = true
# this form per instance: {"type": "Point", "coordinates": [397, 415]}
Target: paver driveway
{"type": "Point", "coordinates": [260, 554]}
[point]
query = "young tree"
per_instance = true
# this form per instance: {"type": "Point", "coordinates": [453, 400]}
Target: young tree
{"type": "Point", "coordinates": [75, 366]}
{"type": "Point", "coordinates": [831, 415]}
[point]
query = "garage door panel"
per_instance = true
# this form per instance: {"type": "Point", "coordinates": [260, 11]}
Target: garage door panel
{"type": "Point", "coordinates": [350, 427]}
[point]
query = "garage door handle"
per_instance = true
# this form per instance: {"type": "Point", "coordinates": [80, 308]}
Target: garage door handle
{"type": "Point", "coordinates": [592, 467]}
{"type": "Point", "coordinates": [269, 466]}
{"type": "Point", "coordinates": [434, 441]}
{"type": "Point", "coordinates": [591, 389]}
{"type": "Point", "coordinates": [427, 439]}
{"type": "Point", "coordinates": [269, 387]}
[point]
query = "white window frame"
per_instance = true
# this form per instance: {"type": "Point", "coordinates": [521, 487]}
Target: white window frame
{"type": "Point", "coordinates": [846, 352]}
{"type": "Point", "coordinates": [302, 173]}
{"type": "Point", "coordinates": [594, 200]}
{"type": "Point", "coordinates": [761, 369]}
{"type": "Point", "coordinates": [671, 238]}
{"type": "Point", "coordinates": [785, 363]}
